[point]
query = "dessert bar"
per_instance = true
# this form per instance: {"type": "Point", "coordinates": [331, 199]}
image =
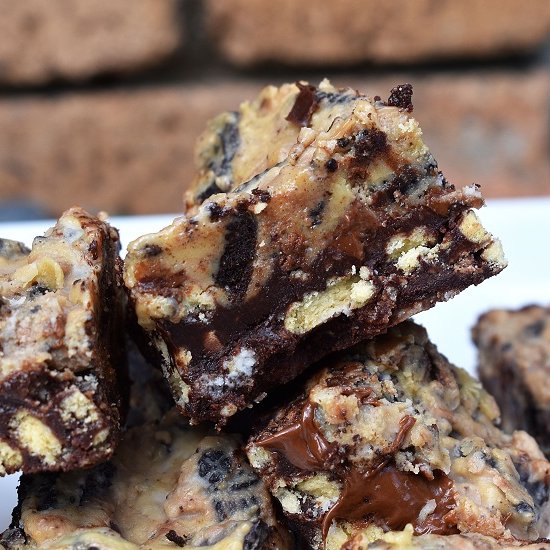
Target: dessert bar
{"type": "Point", "coordinates": [61, 347]}
{"type": "Point", "coordinates": [389, 433]}
{"type": "Point", "coordinates": [347, 229]}
{"type": "Point", "coordinates": [514, 365]}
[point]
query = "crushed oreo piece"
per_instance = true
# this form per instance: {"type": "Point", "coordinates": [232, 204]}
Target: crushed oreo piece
{"type": "Point", "coordinates": [178, 540]}
{"type": "Point", "coordinates": [214, 465]}
{"type": "Point", "coordinates": [256, 537]}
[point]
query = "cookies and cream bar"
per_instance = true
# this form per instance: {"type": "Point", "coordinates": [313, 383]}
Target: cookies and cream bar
{"type": "Point", "coordinates": [389, 434]}
{"type": "Point", "coordinates": [344, 228]}
{"type": "Point", "coordinates": [61, 347]}
{"type": "Point", "coordinates": [514, 364]}
{"type": "Point", "coordinates": [167, 486]}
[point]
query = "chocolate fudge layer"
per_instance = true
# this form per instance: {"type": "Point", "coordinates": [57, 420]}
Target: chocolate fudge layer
{"type": "Point", "coordinates": [389, 434]}
{"type": "Point", "coordinates": [514, 364]}
{"type": "Point", "coordinates": [62, 347]}
{"type": "Point", "coordinates": [353, 231]}
{"type": "Point", "coordinates": [167, 486]}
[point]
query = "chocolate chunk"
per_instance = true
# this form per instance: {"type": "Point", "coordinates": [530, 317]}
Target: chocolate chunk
{"type": "Point", "coordinates": [331, 165]}
{"type": "Point", "coordinates": [305, 105]}
{"type": "Point", "coordinates": [369, 143]}
{"type": "Point", "coordinates": [401, 97]}
{"type": "Point", "coordinates": [178, 540]}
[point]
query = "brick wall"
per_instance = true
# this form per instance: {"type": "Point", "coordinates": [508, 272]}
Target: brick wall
{"type": "Point", "coordinates": [101, 102]}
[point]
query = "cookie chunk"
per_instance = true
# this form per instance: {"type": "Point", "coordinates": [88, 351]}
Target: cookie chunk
{"type": "Point", "coordinates": [61, 347]}
{"type": "Point", "coordinates": [354, 230]}
{"type": "Point", "coordinates": [167, 486]}
{"type": "Point", "coordinates": [514, 364]}
{"type": "Point", "coordinates": [389, 434]}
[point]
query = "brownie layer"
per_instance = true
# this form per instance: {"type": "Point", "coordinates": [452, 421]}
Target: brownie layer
{"type": "Point", "coordinates": [62, 346]}
{"type": "Point", "coordinates": [514, 364]}
{"type": "Point", "coordinates": [352, 232]}
{"type": "Point", "coordinates": [388, 434]}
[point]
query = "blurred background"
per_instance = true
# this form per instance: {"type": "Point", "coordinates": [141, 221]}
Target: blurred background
{"type": "Point", "coordinates": [101, 102]}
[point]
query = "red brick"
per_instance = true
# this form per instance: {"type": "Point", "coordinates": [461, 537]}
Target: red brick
{"type": "Point", "coordinates": [131, 151]}
{"type": "Point", "coordinates": [76, 39]}
{"type": "Point", "coordinates": [329, 33]}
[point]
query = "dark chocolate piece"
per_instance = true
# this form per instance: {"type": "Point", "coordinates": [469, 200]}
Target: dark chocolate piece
{"type": "Point", "coordinates": [401, 96]}
{"type": "Point", "coordinates": [305, 105]}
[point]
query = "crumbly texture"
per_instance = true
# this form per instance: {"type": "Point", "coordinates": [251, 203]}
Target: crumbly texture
{"type": "Point", "coordinates": [167, 486]}
{"type": "Point", "coordinates": [514, 364]}
{"type": "Point", "coordinates": [373, 539]}
{"type": "Point", "coordinates": [61, 347]}
{"type": "Point", "coordinates": [333, 224]}
{"type": "Point", "coordinates": [389, 434]}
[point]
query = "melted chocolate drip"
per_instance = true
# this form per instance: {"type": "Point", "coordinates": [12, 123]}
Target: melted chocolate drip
{"type": "Point", "coordinates": [302, 443]}
{"type": "Point", "coordinates": [305, 105]}
{"type": "Point", "coordinates": [393, 498]}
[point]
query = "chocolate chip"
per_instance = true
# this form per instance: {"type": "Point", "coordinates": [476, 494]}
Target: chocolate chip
{"type": "Point", "coordinates": [262, 194]}
{"type": "Point", "coordinates": [369, 143]}
{"type": "Point", "coordinates": [216, 211]}
{"type": "Point", "coordinates": [305, 105]}
{"type": "Point", "coordinates": [178, 540]}
{"type": "Point", "coordinates": [343, 142]}
{"type": "Point", "coordinates": [331, 165]}
{"type": "Point", "coordinates": [401, 97]}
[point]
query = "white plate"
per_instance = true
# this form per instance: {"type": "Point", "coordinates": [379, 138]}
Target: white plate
{"type": "Point", "coordinates": [523, 225]}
